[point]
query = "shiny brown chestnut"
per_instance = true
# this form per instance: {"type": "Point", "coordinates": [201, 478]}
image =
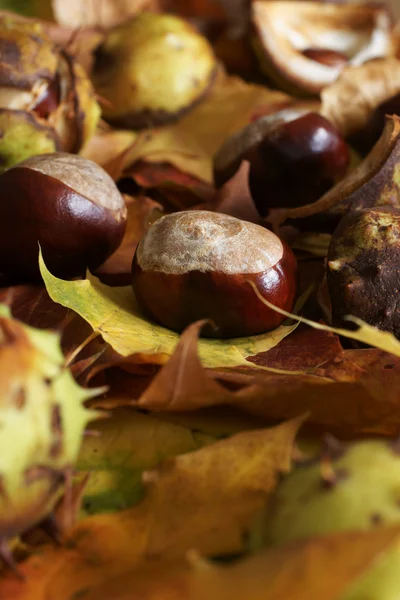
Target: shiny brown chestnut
{"type": "Point", "coordinates": [297, 162]}
{"type": "Point", "coordinates": [67, 204]}
{"type": "Point", "coordinates": [196, 265]}
{"type": "Point", "coordinates": [364, 140]}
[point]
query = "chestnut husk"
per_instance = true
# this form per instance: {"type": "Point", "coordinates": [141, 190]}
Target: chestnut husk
{"type": "Point", "coordinates": [359, 99]}
{"type": "Point", "coordinates": [45, 83]}
{"type": "Point", "coordinates": [152, 70]}
{"type": "Point", "coordinates": [363, 274]}
{"type": "Point", "coordinates": [282, 35]}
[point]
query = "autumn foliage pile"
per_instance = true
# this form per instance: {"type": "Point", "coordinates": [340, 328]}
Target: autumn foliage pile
{"type": "Point", "coordinates": [261, 467]}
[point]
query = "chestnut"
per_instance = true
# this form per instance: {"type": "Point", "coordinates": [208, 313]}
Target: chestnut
{"type": "Point", "coordinates": [363, 274]}
{"type": "Point", "coordinates": [195, 265]}
{"type": "Point", "coordinates": [297, 162]}
{"type": "Point", "coordinates": [67, 204]}
{"type": "Point", "coordinates": [364, 139]}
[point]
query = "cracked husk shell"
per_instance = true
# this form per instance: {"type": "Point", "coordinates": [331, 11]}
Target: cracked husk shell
{"type": "Point", "coordinates": [285, 36]}
{"type": "Point", "coordinates": [351, 100]}
{"type": "Point", "coordinates": [53, 99]}
{"type": "Point", "coordinates": [27, 55]}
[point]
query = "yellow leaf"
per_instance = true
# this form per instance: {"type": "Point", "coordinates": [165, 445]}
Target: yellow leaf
{"type": "Point", "coordinates": [113, 312]}
{"type": "Point", "coordinates": [367, 334]}
{"type": "Point", "coordinates": [127, 443]}
{"type": "Point", "coordinates": [207, 499]}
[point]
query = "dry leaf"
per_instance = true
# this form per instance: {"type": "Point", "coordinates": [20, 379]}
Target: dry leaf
{"type": "Point", "coordinates": [108, 148]}
{"type": "Point", "coordinates": [124, 445]}
{"type": "Point", "coordinates": [234, 197]}
{"type": "Point", "coordinates": [207, 499]}
{"type": "Point", "coordinates": [349, 393]}
{"type": "Point", "coordinates": [117, 270]}
{"type": "Point", "coordinates": [114, 314]}
{"type": "Point", "coordinates": [181, 190]}
{"type": "Point", "coordinates": [330, 568]}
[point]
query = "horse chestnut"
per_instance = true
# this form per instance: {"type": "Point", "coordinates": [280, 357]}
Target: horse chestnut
{"type": "Point", "coordinates": [67, 204]}
{"type": "Point", "coordinates": [297, 162]}
{"type": "Point", "coordinates": [196, 265]}
{"type": "Point", "coordinates": [362, 268]}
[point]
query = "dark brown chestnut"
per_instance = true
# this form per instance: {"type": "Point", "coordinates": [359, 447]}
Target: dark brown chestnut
{"type": "Point", "coordinates": [196, 265]}
{"type": "Point", "coordinates": [297, 162]}
{"type": "Point", "coordinates": [325, 56]}
{"type": "Point", "coordinates": [365, 139]}
{"type": "Point", "coordinates": [67, 204]}
{"type": "Point", "coordinates": [363, 274]}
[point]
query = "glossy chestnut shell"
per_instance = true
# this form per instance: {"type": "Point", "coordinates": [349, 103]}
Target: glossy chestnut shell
{"type": "Point", "coordinates": [197, 265]}
{"type": "Point", "coordinates": [68, 205]}
{"type": "Point", "coordinates": [297, 162]}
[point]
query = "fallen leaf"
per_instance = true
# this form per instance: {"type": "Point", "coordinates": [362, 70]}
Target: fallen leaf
{"type": "Point", "coordinates": [117, 270]}
{"type": "Point", "coordinates": [168, 178]}
{"type": "Point", "coordinates": [107, 148]}
{"type": "Point", "coordinates": [234, 198]}
{"type": "Point", "coordinates": [349, 393]}
{"type": "Point", "coordinates": [334, 567]}
{"type": "Point", "coordinates": [366, 334]}
{"type": "Point", "coordinates": [122, 447]}
{"type": "Point", "coordinates": [238, 473]}
{"type": "Point", "coordinates": [113, 312]}
{"type": "Point", "coordinates": [191, 143]}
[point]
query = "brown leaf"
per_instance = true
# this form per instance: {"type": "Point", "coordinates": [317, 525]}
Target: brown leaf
{"type": "Point", "coordinates": [141, 213]}
{"type": "Point", "coordinates": [320, 568]}
{"type": "Point", "coordinates": [303, 350]}
{"type": "Point", "coordinates": [207, 499]}
{"type": "Point", "coordinates": [182, 381]}
{"type": "Point", "coordinates": [108, 149]}
{"type": "Point", "coordinates": [170, 181]}
{"type": "Point", "coordinates": [234, 197]}
{"type": "Point", "coordinates": [349, 393]}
